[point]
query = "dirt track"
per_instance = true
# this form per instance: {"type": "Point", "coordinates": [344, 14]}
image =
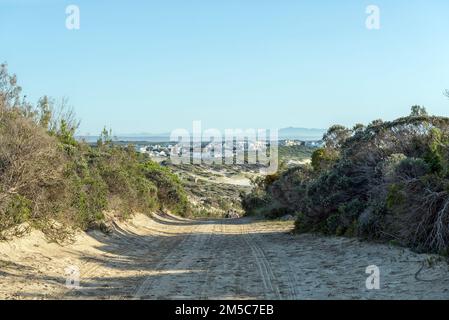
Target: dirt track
{"type": "Point", "coordinates": [168, 257]}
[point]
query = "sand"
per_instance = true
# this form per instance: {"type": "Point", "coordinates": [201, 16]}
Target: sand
{"type": "Point", "coordinates": [167, 257]}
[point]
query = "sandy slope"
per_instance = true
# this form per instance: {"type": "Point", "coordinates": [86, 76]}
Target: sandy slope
{"type": "Point", "coordinates": [171, 257]}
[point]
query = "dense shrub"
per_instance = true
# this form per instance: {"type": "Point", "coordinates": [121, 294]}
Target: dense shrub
{"type": "Point", "coordinates": [32, 185]}
{"type": "Point", "coordinates": [58, 184]}
{"type": "Point", "coordinates": [323, 158]}
{"type": "Point", "coordinates": [169, 188]}
{"type": "Point", "coordinates": [387, 181]}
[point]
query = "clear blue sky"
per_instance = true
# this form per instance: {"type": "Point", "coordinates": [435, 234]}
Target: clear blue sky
{"type": "Point", "coordinates": [151, 66]}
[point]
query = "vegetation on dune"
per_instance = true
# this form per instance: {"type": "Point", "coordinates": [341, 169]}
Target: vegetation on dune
{"type": "Point", "coordinates": [385, 181]}
{"type": "Point", "coordinates": [208, 194]}
{"type": "Point", "coordinates": [296, 152]}
{"type": "Point", "coordinates": [58, 184]}
{"type": "Point", "coordinates": [169, 188]}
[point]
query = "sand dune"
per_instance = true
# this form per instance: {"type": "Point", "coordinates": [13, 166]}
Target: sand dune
{"type": "Point", "coordinates": [167, 257]}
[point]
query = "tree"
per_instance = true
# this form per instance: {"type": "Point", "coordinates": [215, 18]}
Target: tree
{"type": "Point", "coordinates": [376, 122]}
{"type": "Point", "coordinates": [358, 127]}
{"type": "Point", "coordinates": [45, 112]}
{"type": "Point", "coordinates": [418, 111]}
{"type": "Point", "coordinates": [323, 159]}
{"type": "Point", "coordinates": [105, 138]}
{"type": "Point", "coordinates": [336, 135]}
{"type": "Point", "coordinates": [10, 92]}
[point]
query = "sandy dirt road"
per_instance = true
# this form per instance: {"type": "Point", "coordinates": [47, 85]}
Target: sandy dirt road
{"type": "Point", "coordinates": [167, 257]}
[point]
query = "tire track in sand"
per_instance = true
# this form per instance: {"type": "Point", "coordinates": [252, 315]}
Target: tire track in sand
{"type": "Point", "coordinates": [181, 259]}
{"type": "Point", "coordinates": [266, 273]}
{"type": "Point", "coordinates": [90, 267]}
{"type": "Point", "coordinates": [217, 232]}
{"type": "Point", "coordinates": [288, 276]}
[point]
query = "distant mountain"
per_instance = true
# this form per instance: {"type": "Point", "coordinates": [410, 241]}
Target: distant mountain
{"type": "Point", "coordinates": [301, 133]}
{"type": "Point", "coordinates": [143, 134]}
{"type": "Point", "coordinates": [304, 134]}
{"type": "Point", "coordinates": [130, 137]}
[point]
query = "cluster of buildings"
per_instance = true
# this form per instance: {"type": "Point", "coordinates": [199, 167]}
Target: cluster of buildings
{"type": "Point", "coordinates": [157, 150]}
{"type": "Point", "coordinates": [217, 149]}
{"type": "Point", "coordinates": [210, 150]}
{"type": "Point", "coordinates": [227, 149]}
{"type": "Point", "coordinates": [311, 143]}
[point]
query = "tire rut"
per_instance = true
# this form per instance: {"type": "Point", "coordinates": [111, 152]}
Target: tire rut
{"type": "Point", "coordinates": [266, 273]}
{"type": "Point", "coordinates": [177, 260]}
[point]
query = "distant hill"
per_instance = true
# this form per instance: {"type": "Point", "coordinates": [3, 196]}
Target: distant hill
{"type": "Point", "coordinates": [134, 138]}
{"type": "Point", "coordinates": [301, 133]}
{"type": "Point", "coordinates": [304, 134]}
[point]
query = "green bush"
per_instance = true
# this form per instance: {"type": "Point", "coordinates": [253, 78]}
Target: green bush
{"type": "Point", "coordinates": [170, 192]}
{"type": "Point", "coordinates": [387, 181]}
{"type": "Point", "coordinates": [395, 196]}
{"type": "Point", "coordinates": [18, 210]}
{"type": "Point", "coordinates": [323, 159]}
{"type": "Point", "coordinates": [59, 184]}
